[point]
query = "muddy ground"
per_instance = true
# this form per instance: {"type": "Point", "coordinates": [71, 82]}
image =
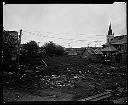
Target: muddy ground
{"type": "Point", "coordinates": [64, 79]}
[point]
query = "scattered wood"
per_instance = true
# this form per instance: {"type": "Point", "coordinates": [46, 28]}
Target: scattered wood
{"type": "Point", "coordinates": [97, 97]}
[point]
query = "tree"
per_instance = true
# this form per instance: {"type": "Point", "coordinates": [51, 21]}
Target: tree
{"type": "Point", "coordinates": [53, 49]}
{"type": "Point", "coordinates": [31, 48]}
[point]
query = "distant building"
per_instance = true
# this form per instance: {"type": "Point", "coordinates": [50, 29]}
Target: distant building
{"type": "Point", "coordinates": [116, 47]}
{"type": "Point", "coordinates": [92, 53]}
{"type": "Point", "coordinates": [74, 51]}
{"type": "Point", "coordinates": [10, 47]}
{"type": "Point", "coordinates": [10, 43]}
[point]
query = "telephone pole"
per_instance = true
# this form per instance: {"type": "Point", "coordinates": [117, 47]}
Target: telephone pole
{"type": "Point", "coordinates": [20, 36]}
{"type": "Point", "coordinates": [88, 45]}
{"type": "Point", "coordinates": [19, 43]}
{"type": "Point", "coordinates": [69, 45]}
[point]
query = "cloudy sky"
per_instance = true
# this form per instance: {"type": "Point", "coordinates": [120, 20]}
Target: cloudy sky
{"type": "Point", "coordinates": [70, 25]}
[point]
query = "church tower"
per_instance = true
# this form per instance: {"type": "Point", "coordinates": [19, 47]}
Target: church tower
{"type": "Point", "coordinates": [110, 36]}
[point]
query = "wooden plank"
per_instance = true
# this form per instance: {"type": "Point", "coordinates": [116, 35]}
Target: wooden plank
{"type": "Point", "coordinates": [44, 63]}
{"type": "Point", "coordinates": [98, 95]}
{"type": "Point", "coordinates": [120, 100]}
{"type": "Point", "coordinates": [99, 98]}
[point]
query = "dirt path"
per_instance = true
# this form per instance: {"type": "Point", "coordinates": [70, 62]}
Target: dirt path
{"type": "Point", "coordinates": [41, 95]}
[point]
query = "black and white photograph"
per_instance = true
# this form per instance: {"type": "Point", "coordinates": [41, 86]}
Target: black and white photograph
{"type": "Point", "coordinates": [64, 52]}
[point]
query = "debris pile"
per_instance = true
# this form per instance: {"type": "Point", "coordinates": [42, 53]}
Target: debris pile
{"type": "Point", "coordinates": [68, 76]}
{"type": "Point", "coordinates": [57, 81]}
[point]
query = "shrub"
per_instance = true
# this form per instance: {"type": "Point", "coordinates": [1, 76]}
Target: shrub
{"type": "Point", "coordinates": [53, 49]}
{"type": "Point", "coordinates": [31, 48]}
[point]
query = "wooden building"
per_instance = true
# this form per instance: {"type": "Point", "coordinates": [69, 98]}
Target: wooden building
{"type": "Point", "coordinates": [10, 49]}
{"type": "Point", "coordinates": [92, 54]}
{"type": "Point", "coordinates": [74, 51]}
{"type": "Point", "coordinates": [116, 47]}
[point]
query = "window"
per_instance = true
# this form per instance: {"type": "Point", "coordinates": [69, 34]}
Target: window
{"type": "Point", "coordinates": [119, 47]}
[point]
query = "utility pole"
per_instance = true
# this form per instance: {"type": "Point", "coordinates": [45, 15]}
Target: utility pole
{"type": "Point", "coordinates": [20, 36]}
{"type": "Point", "coordinates": [88, 45]}
{"type": "Point", "coordinates": [19, 42]}
{"type": "Point", "coordinates": [69, 45]}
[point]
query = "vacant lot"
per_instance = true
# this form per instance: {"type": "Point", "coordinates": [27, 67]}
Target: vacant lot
{"type": "Point", "coordinates": [64, 78]}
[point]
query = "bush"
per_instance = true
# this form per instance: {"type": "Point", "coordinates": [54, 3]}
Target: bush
{"type": "Point", "coordinates": [31, 48]}
{"type": "Point", "coordinates": [53, 49]}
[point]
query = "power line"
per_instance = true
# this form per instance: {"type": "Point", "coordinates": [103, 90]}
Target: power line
{"type": "Point", "coordinates": [58, 38]}
{"type": "Point", "coordinates": [55, 37]}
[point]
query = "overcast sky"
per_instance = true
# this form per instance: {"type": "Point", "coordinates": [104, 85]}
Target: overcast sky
{"type": "Point", "coordinates": [74, 25]}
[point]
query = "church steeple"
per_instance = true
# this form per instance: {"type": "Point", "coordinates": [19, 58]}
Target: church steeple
{"type": "Point", "coordinates": [110, 30]}
{"type": "Point", "coordinates": [110, 35]}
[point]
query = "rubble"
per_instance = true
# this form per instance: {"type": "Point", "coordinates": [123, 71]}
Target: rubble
{"type": "Point", "coordinates": [92, 72]}
{"type": "Point", "coordinates": [122, 100]}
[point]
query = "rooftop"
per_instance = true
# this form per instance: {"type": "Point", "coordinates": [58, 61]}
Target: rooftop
{"type": "Point", "coordinates": [109, 48]}
{"type": "Point", "coordinates": [93, 50]}
{"type": "Point", "coordinates": [118, 40]}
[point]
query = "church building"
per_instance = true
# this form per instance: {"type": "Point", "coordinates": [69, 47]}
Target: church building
{"type": "Point", "coordinates": [115, 49]}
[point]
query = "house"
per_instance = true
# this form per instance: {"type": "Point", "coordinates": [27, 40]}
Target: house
{"type": "Point", "coordinates": [92, 53]}
{"type": "Point", "coordinates": [79, 50]}
{"type": "Point", "coordinates": [116, 47]}
{"type": "Point", "coordinates": [71, 51]}
{"type": "Point", "coordinates": [108, 52]}
{"type": "Point", "coordinates": [74, 51]}
{"type": "Point", "coordinates": [10, 44]}
{"type": "Point", "coordinates": [10, 49]}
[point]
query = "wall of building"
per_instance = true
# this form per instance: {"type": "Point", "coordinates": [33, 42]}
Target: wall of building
{"type": "Point", "coordinates": [86, 55]}
{"type": "Point", "coordinates": [109, 38]}
{"type": "Point", "coordinates": [10, 48]}
{"type": "Point", "coordinates": [72, 53]}
{"type": "Point", "coordinates": [95, 57]}
{"type": "Point", "coordinates": [124, 57]}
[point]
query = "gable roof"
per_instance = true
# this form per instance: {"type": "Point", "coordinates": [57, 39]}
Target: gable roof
{"type": "Point", "coordinates": [78, 50]}
{"type": "Point", "coordinates": [109, 48]}
{"type": "Point", "coordinates": [93, 50]}
{"type": "Point", "coordinates": [98, 51]}
{"type": "Point", "coordinates": [119, 39]}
